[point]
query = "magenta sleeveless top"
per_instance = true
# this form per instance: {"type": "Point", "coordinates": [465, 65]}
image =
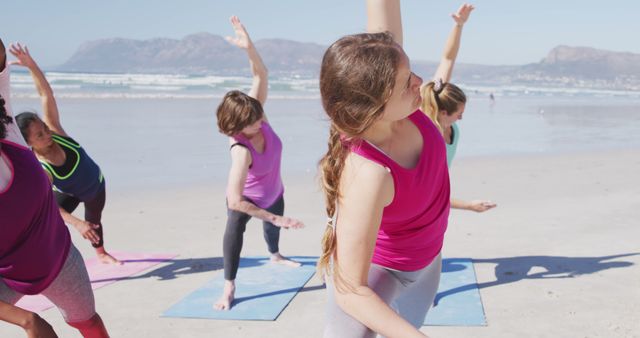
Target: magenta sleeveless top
{"type": "Point", "coordinates": [34, 241]}
{"type": "Point", "coordinates": [413, 225]}
{"type": "Point", "coordinates": [264, 185]}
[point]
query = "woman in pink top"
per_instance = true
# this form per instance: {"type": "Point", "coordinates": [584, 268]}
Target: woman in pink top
{"type": "Point", "coordinates": [254, 188]}
{"type": "Point", "coordinates": [36, 254]}
{"type": "Point", "coordinates": [386, 184]}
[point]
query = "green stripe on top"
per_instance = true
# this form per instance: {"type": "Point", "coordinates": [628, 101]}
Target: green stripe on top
{"type": "Point", "coordinates": [61, 140]}
{"type": "Point", "coordinates": [46, 168]}
{"type": "Point", "coordinates": [64, 143]}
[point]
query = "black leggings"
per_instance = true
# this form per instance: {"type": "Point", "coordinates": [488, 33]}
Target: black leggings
{"type": "Point", "coordinates": [233, 236]}
{"type": "Point", "coordinates": [92, 210]}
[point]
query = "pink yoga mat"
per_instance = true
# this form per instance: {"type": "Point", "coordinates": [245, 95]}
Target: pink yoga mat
{"type": "Point", "coordinates": [103, 274]}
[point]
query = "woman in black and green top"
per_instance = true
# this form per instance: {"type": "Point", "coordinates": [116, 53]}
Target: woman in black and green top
{"type": "Point", "coordinates": [76, 177]}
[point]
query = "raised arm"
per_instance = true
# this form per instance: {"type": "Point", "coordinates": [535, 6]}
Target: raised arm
{"type": "Point", "coordinates": [364, 194]}
{"type": "Point", "coordinates": [13, 133]}
{"type": "Point", "coordinates": [453, 44]}
{"type": "Point", "coordinates": [49, 105]}
{"type": "Point", "coordinates": [240, 162]}
{"type": "Point", "coordinates": [383, 16]}
{"type": "Point", "coordinates": [259, 71]}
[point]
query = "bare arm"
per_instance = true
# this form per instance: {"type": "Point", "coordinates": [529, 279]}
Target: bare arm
{"type": "Point", "coordinates": [366, 189]}
{"type": "Point", "coordinates": [240, 162]}
{"type": "Point", "coordinates": [33, 324]}
{"type": "Point", "coordinates": [86, 229]}
{"type": "Point", "coordinates": [49, 105]}
{"type": "Point", "coordinates": [13, 133]}
{"type": "Point", "coordinates": [3, 56]}
{"type": "Point", "coordinates": [383, 16]}
{"type": "Point", "coordinates": [475, 205]}
{"type": "Point", "coordinates": [445, 69]}
{"type": "Point", "coordinates": [259, 71]}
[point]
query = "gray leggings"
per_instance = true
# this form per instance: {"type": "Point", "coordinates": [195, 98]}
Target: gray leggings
{"type": "Point", "coordinates": [410, 293]}
{"type": "Point", "coordinates": [70, 291]}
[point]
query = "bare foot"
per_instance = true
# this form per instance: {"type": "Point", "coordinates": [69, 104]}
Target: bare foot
{"type": "Point", "coordinates": [224, 302]}
{"type": "Point", "coordinates": [105, 258]}
{"type": "Point", "coordinates": [279, 259]}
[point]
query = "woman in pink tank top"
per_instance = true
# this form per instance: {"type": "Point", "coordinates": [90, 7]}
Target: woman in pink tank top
{"type": "Point", "coordinates": [386, 184]}
{"type": "Point", "coordinates": [254, 188]}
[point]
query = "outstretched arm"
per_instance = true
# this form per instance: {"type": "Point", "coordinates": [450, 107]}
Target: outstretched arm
{"type": "Point", "coordinates": [86, 229]}
{"type": "Point", "coordinates": [475, 205]}
{"type": "Point", "coordinates": [383, 16]}
{"type": "Point", "coordinates": [13, 133]}
{"type": "Point", "coordinates": [240, 162]}
{"type": "Point", "coordinates": [453, 44]}
{"type": "Point", "coordinates": [258, 69]}
{"type": "Point", "coordinates": [49, 105]}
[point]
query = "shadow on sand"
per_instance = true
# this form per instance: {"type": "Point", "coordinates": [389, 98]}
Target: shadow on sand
{"type": "Point", "coordinates": [513, 269]}
{"type": "Point", "coordinates": [186, 266]}
{"type": "Point", "coordinates": [175, 268]}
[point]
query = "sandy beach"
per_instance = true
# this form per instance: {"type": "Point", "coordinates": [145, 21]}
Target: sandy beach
{"type": "Point", "coordinates": [559, 257]}
{"type": "Point", "coordinates": [547, 127]}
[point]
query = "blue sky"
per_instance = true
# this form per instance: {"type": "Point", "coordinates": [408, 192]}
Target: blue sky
{"type": "Point", "coordinates": [499, 31]}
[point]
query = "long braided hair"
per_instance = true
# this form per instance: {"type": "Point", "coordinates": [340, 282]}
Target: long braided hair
{"type": "Point", "coordinates": [357, 76]}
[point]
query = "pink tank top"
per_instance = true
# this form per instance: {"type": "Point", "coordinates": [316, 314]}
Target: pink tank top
{"type": "Point", "coordinates": [413, 225]}
{"type": "Point", "coordinates": [34, 241]}
{"type": "Point", "coordinates": [263, 185]}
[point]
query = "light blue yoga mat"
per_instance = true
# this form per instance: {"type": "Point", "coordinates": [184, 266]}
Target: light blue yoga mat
{"type": "Point", "coordinates": [263, 290]}
{"type": "Point", "coordinates": [458, 300]}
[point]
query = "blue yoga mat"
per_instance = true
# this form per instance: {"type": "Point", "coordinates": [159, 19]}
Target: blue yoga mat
{"type": "Point", "coordinates": [458, 301]}
{"type": "Point", "coordinates": [263, 290]}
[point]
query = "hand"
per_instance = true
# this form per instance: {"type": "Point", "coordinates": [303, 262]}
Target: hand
{"type": "Point", "coordinates": [287, 223]}
{"type": "Point", "coordinates": [242, 39]}
{"type": "Point", "coordinates": [22, 54]}
{"type": "Point", "coordinates": [88, 232]}
{"type": "Point", "coordinates": [461, 16]}
{"type": "Point", "coordinates": [36, 327]}
{"type": "Point", "coordinates": [481, 206]}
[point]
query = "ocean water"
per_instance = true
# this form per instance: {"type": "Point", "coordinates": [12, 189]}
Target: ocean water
{"type": "Point", "coordinates": [84, 85]}
{"type": "Point", "coordinates": [151, 131]}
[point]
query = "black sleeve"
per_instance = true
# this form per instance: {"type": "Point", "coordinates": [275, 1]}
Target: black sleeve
{"type": "Point", "coordinates": [238, 144]}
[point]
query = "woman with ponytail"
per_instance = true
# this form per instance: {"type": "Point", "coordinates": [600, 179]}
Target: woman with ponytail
{"type": "Point", "coordinates": [444, 102]}
{"type": "Point", "coordinates": [386, 185]}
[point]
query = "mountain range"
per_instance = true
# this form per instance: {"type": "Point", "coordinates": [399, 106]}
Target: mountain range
{"type": "Point", "coordinates": [205, 53]}
{"type": "Point", "coordinates": [200, 53]}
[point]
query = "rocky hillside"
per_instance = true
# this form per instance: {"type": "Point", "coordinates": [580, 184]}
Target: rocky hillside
{"type": "Point", "coordinates": [201, 53]}
{"type": "Point", "coordinates": [205, 53]}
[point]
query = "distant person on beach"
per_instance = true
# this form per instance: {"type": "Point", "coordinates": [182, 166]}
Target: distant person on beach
{"type": "Point", "coordinates": [36, 253]}
{"type": "Point", "coordinates": [255, 187]}
{"type": "Point", "coordinates": [445, 102]}
{"type": "Point", "coordinates": [76, 177]}
{"type": "Point", "coordinates": [386, 183]}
